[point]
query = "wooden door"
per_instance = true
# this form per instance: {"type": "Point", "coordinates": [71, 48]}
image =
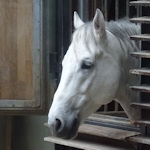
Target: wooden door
{"type": "Point", "coordinates": [21, 55]}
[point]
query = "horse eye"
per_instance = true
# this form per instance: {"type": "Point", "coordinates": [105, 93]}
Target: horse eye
{"type": "Point", "coordinates": [86, 64]}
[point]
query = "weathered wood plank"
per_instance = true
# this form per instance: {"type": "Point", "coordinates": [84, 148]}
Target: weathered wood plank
{"type": "Point", "coordinates": [140, 3]}
{"type": "Point", "coordinates": [141, 105]}
{"type": "Point", "coordinates": [143, 122]}
{"type": "Point", "coordinates": [142, 54]}
{"type": "Point", "coordinates": [16, 49]}
{"type": "Point", "coordinates": [106, 132]}
{"type": "Point", "coordinates": [140, 139]}
{"type": "Point", "coordinates": [101, 131]}
{"type": "Point", "coordinates": [142, 37]}
{"type": "Point", "coordinates": [142, 71]}
{"type": "Point", "coordinates": [145, 20]}
{"type": "Point", "coordinates": [87, 143]}
{"type": "Point", "coordinates": [142, 88]}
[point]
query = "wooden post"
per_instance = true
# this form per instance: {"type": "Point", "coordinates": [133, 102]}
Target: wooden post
{"type": "Point", "coordinates": [9, 133]}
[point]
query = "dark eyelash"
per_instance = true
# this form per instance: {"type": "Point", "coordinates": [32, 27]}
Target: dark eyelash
{"type": "Point", "coordinates": [86, 64]}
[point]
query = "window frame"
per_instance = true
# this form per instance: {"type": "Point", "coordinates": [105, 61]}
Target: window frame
{"type": "Point", "coordinates": [41, 47]}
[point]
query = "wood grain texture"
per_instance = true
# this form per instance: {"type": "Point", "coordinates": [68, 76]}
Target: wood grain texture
{"type": "Point", "coordinates": [101, 131]}
{"type": "Point", "coordinates": [16, 49]}
{"type": "Point", "coordinates": [142, 54]}
{"type": "Point", "coordinates": [86, 142]}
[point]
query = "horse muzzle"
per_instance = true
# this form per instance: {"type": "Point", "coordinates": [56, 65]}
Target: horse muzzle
{"type": "Point", "coordinates": [65, 128]}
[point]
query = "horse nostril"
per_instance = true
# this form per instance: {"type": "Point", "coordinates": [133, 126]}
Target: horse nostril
{"type": "Point", "coordinates": [58, 125]}
{"type": "Point", "coordinates": [75, 122]}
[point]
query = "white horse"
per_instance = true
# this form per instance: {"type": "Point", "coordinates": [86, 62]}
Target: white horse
{"type": "Point", "coordinates": [95, 72]}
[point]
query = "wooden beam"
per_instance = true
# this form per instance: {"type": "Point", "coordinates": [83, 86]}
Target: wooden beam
{"type": "Point", "coordinates": [9, 133]}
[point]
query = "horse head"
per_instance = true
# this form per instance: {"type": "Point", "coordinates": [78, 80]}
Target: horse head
{"type": "Point", "coordinates": [91, 76]}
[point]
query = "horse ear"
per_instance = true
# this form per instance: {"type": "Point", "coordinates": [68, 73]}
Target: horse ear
{"type": "Point", "coordinates": [99, 23]}
{"type": "Point", "coordinates": [77, 21]}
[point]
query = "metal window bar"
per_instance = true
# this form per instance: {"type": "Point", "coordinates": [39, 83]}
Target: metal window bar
{"type": "Point", "coordinates": [105, 9]}
{"type": "Point", "coordinates": [116, 9]}
{"type": "Point", "coordinates": [83, 9]}
{"type": "Point", "coordinates": [144, 104]}
{"type": "Point", "coordinates": [127, 8]}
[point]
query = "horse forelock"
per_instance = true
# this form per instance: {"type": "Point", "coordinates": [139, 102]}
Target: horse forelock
{"type": "Point", "coordinates": [122, 29]}
{"type": "Point", "coordinates": [82, 40]}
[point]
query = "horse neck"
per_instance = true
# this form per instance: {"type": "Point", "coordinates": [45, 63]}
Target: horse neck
{"type": "Point", "coordinates": [126, 95]}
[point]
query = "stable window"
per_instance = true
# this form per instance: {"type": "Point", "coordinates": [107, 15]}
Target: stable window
{"type": "Point", "coordinates": [111, 115]}
{"type": "Point", "coordinates": [23, 59]}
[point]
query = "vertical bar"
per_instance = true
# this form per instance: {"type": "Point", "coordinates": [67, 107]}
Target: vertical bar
{"type": "Point", "coordinates": [116, 107]}
{"type": "Point", "coordinates": [95, 5]}
{"type": "Point", "coordinates": [92, 12]}
{"type": "Point", "coordinates": [80, 7]}
{"type": "Point", "coordinates": [105, 10]}
{"type": "Point", "coordinates": [127, 8]}
{"type": "Point", "coordinates": [102, 6]}
{"type": "Point", "coordinates": [67, 25]}
{"type": "Point", "coordinates": [59, 35]}
{"type": "Point", "coordinates": [116, 9]}
{"type": "Point", "coordinates": [83, 9]}
{"type": "Point", "coordinates": [116, 17]}
{"type": "Point", "coordinates": [106, 108]}
{"type": "Point", "coordinates": [139, 10]}
{"type": "Point", "coordinates": [37, 44]}
{"type": "Point", "coordinates": [9, 133]}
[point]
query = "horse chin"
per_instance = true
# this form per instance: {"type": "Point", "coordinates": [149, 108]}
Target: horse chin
{"type": "Point", "coordinates": [66, 135]}
{"type": "Point", "coordinates": [71, 136]}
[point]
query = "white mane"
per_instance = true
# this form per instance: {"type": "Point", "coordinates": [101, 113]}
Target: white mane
{"type": "Point", "coordinates": [121, 28]}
